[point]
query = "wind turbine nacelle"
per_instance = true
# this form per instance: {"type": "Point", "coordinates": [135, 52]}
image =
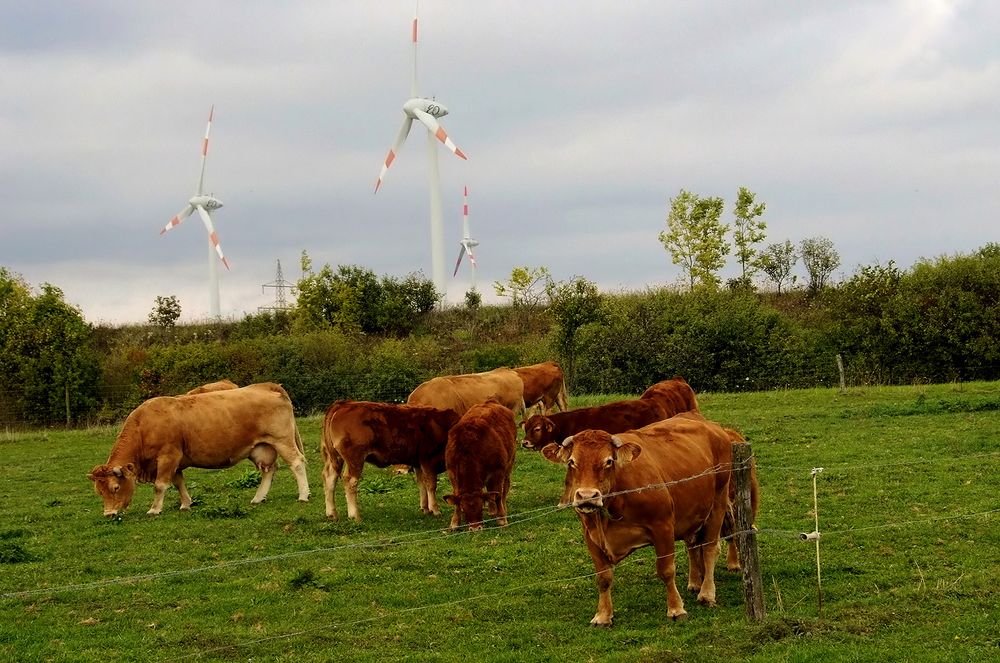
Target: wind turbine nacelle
{"type": "Point", "coordinates": [208, 202]}
{"type": "Point", "coordinates": [429, 106]}
{"type": "Point", "coordinates": [471, 243]}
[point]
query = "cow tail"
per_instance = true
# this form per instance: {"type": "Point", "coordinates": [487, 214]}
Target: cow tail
{"type": "Point", "coordinates": [563, 397]}
{"type": "Point", "coordinates": [298, 441]}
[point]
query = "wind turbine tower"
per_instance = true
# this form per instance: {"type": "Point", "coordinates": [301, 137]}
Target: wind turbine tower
{"type": "Point", "coordinates": [205, 205]}
{"type": "Point", "coordinates": [426, 111]}
{"type": "Point", "coordinates": [467, 242]}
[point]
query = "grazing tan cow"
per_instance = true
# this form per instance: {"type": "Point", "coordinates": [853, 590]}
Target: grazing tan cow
{"type": "Point", "coordinates": [460, 392]}
{"type": "Point", "coordinates": [665, 482]}
{"type": "Point", "coordinates": [221, 385]}
{"type": "Point", "coordinates": [616, 417]}
{"type": "Point", "coordinates": [674, 395]}
{"type": "Point", "coordinates": [480, 454]}
{"type": "Point", "coordinates": [167, 434]}
{"type": "Point", "coordinates": [383, 434]}
{"type": "Point", "coordinates": [544, 387]}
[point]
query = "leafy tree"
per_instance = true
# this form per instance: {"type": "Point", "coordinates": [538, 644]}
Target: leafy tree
{"type": "Point", "coordinates": [165, 312]}
{"type": "Point", "coordinates": [526, 286]}
{"type": "Point", "coordinates": [473, 300]}
{"type": "Point", "coordinates": [353, 298]}
{"type": "Point", "coordinates": [777, 262]}
{"type": "Point", "coordinates": [820, 259]}
{"type": "Point", "coordinates": [45, 352]}
{"type": "Point", "coordinates": [695, 237]}
{"type": "Point", "coordinates": [573, 304]}
{"type": "Point", "coordinates": [748, 230]}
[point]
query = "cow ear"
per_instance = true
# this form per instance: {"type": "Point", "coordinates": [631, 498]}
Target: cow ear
{"type": "Point", "coordinates": [451, 499]}
{"type": "Point", "coordinates": [627, 452]}
{"type": "Point", "coordinates": [555, 453]}
{"type": "Point", "coordinates": [549, 426]}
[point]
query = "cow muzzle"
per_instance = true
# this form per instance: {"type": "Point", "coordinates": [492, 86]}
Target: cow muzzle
{"type": "Point", "coordinates": [587, 500]}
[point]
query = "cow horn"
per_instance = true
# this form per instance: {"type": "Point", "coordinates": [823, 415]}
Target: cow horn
{"type": "Point", "coordinates": [616, 441]}
{"type": "Point", "coordinates": [117, 471]}
{"type": "Point", "coordinates": [568, 441]}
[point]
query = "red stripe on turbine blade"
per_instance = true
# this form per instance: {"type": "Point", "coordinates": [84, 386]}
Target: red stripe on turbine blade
{"type": "Point", "coordinates": [226, 263]}
{"type": "Point", "coordinates": [465, 191]}
{"type": "Point", "coordinates": [414, 36]}
{"type": "Point", "coordinates": [465, 210]}
{"type": "Point", "coordinates": [459, 153]}
{"type": "Point", "coordinates": [204, 147]}
{"type": "Point", "coordinates": [211, 112]}
{"type": "Point", "coordinates": [441, 135]}
{"type": "Point", "coordinates": [390, 158]}
{"type": "Point", "coordinates": [215, 239]}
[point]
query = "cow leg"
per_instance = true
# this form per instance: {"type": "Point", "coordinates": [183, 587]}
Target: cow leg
{"type": "Point", "coordinates": [290, 453]}
{"type": "Point", "coordinates": [666, 569]}
{"type": "Point", "coordinates": [266, 476]}
{"type": "Point", "coordinates": [732, 557]}
{"type": "Point", "coordinates": [710, 553]}
{"type": "Point", "coordinates": [332, 466]}
{"type": "Point", "coordinates": [428, 480]}
{"type": "Point", "coordinates": [351, 479]}
{"type": "Point", "coordinates": [182, 489]}
{"type": "Point", "coordinates": [604, 578]}
{"type": "Point", "coordinates": [418, 476]}
{"type": "Point", "coordinates": [696, 563]}
{"type": "Point", "coordinates": [166, 467]}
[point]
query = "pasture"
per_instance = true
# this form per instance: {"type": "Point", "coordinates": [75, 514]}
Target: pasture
{"type": "Point", "coordinates": [909, 573]}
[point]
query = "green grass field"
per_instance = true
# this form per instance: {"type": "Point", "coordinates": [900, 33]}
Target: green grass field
{"type": "Point", "coordinates": [909, 574]}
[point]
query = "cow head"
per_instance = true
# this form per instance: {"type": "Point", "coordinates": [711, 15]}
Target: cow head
{"type": "Point", "coordinates": [538, 432]}
{"type": "Point", "coordinates": [592, 457]}
{"type": "Point", "coordinates": [115, 484]}
{"type": "Point", "coordinates": [470, 506]}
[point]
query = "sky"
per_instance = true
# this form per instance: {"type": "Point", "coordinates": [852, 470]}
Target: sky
{"type": "Point", "coordinates": [872, 124]}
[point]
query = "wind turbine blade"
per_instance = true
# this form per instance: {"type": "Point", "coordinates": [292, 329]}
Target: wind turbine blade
{"type": "Point", "coordinates": [458, 263]}
{"type": "Point", "coordinates": [204, 151]}
{"type": "Point", "coordinates": [435, 128]}
{"type": "Point", "coordinates": [472, 258]}
{"type": "Point", "coordinates": [404, 131]}
{"type": "Point", "coordinates": [212, 236]}
{"type": "Point", "coordinates": [176, 221]}
{"type": "Point", "coordinates": [413, 38]}
{"type": "Point", "coordinates": [465, 212]}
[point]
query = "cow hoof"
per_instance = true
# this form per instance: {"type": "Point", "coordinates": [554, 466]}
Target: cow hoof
{"type": "Point", "coordinates": [694, 589]}
{"type": "Point", "coordinates": [679, 617]}
{"type": "Point", "coordinates": [152, 512]}
{"type": "Point", "coordinates": [734, 569]}
{"type": "Point", "coordinates": [185, 507]}
{"type": "Point", "coordinates": [257, 501]}
{"type": "Point", "coordinates": [600, 623]}
{"type": "Point", "coordinates": [304, 499]}
{"type": "Point", "coordinates": [707, 602]}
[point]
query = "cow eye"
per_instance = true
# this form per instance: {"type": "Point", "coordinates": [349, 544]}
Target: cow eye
{"type": "Point", "coordinates": [571, 463]}
{"type": "Point", "coordinates": [609, 462]}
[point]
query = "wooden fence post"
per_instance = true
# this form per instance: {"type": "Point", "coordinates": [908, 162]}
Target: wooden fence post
{"type": "Point", "coordinates": [746, 535]}
{"type": "Point", "coordinates": [840, 368]}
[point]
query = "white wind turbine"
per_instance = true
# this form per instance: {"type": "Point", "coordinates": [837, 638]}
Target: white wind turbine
{"type": "Point", "coordinates": [426, 111]}
{"type": "Point", "coordinates": [205, 205]}
{"type": "Point", "coordinates": [467, 242]}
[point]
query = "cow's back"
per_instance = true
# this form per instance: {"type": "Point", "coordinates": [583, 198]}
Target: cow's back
{"type": "Point", "coordinates": [388, 434]}
{"type": "Point", "coordinates": [460, 392]}
{"type": "Point", "coordinates": [541, 382]}
{"type": "Point", "coordinates": [615, 417]}
{"type": "Point", "coordinates": [674, 396]}
{"type": "Point", "coordinates": [484, 440]}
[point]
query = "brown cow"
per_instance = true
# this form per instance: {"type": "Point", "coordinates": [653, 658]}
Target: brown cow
{"type": "Point", "coordinates": [383, 434]}
{"type": "Point", "coordinates": [480, 453]}
{"type": "Point", "coordinates": [166, 434]}
{"type": "Point", "coordinates": [616, 417]}
{"type": "Point", "coordinates": [674, 395]}
{"type": "Point", "coordinates": [544, 386]}
{"type": "Point", "coordinates": [460, 392]}
{"type": "Point", "coordinates": [221, 385]}
{"type": "Point", "coordinates": [665, 482]}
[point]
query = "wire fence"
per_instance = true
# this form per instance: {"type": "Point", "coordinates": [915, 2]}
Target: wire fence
{"type": "Point", "coordinates": [515, 521]}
